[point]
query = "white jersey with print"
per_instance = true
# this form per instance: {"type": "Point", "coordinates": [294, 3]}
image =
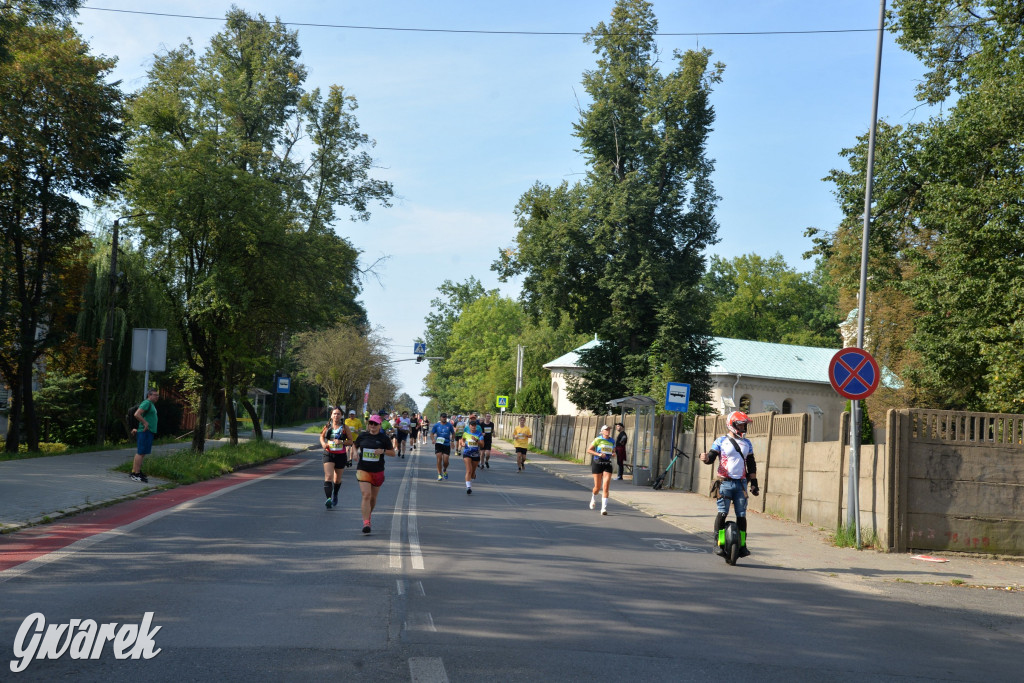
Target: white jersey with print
{"type": "Point", "coordinates": [732, 464]}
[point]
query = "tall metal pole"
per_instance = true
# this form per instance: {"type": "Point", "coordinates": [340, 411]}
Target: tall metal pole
{"type": "Point", "coordinates": [108, 341]}
{"type": "Point", "coordinates": [853, 509]}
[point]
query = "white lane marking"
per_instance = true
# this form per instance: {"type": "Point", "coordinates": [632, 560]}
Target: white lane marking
{"type": "Point", "coordinates": [420, 621]}
{"type": "Point", "coordinates": [420, 589]}
{"type": "Point", "coordinates": [427, 670]}
{"type": "Point", "coordinates": [395, 545]}
{"type": "Point", "coordinates": [414, 529]}
{"type": "Point", "coordinates": [401, 587]}
{"type": "Point", "coordinates": [77, 546]}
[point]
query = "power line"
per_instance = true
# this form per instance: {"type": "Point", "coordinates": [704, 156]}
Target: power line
{"type": "Point", "coordinates": [493, 32]}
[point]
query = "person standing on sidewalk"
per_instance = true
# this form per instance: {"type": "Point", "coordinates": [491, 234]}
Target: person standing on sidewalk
{"type": "Point", "coordinates": [370, 447]}
{"type": "Point", "coordinates": [147, 417]}
{"type": "Point", "coordinates": [736, 465]}
{"type": "Point", "coordinates": [601, 449]}
{"type": "Point", "coordinates": [441, 434]}
{"type": "Point", "coordinates": [620, 447]}
{"type": "Point", "coordinates": [333, 438]}
{"type": "Point", "coordinates": [521, 436]}
{"type": "Point", "coordinates": [485, 447]}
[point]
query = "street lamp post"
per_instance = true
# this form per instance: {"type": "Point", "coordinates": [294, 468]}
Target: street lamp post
{"type": "Point", "coordinates": [108, 342]}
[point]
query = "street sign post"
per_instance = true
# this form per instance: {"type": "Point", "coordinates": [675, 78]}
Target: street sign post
{"type": "Point", "coordinates": [677, 397]}
{"type": "Point", "coordinates": [853, 373]}
{"type": "Point", "coordinates": [502, 402]}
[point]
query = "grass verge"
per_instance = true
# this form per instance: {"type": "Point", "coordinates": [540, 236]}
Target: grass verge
{"type": "Point", "coordinates": [188, 467]}
{"type": "Point", "coordinates": [50, 449]}
{"type": "Point", "coordinates": [846, 537]}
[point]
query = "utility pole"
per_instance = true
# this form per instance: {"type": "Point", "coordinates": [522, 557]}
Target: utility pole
{"type": "Point", "coordinates": [853, 506]}
{"type": "Point", "coordinates": [108, 342]}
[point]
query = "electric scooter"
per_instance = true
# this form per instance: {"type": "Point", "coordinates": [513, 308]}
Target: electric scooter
{"type": "Point", "coordinates": [660, 481]}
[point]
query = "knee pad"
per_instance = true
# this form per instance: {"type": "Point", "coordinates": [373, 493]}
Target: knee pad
{"type": "Point", "coordinates": [741, 524]}
{"type": "Point", "coordinates": [719, 522]}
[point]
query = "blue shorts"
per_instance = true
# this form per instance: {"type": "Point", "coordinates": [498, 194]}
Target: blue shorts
{"type": "Point", "coordinates": [145, 442]}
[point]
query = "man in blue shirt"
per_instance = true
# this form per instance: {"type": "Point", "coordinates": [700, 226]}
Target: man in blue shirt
{"type": "Point", "coordinates": [441, 434]}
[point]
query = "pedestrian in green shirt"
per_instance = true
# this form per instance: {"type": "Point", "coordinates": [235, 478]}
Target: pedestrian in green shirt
{"type": "Point", "coordinates": [146, 415]}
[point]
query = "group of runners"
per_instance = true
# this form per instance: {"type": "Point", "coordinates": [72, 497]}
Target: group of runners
{"type": "Point", "coordinates": [346, 443]}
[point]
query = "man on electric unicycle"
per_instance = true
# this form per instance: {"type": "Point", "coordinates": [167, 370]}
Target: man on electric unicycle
{"type": "Point", "coordinates": [736, 465]}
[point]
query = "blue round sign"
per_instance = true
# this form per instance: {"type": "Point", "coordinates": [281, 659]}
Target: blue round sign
{"type": "Point", "coordinates": [853, 373]}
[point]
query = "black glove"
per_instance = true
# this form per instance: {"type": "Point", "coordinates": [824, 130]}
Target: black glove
{"type": "Point", "coordinates": [754, 488]}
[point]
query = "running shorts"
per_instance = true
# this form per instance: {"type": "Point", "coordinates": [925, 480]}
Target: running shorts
{"type": "Point", "coordinates": [375, 478]}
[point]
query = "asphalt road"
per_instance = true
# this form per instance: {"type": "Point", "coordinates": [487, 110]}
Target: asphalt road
{"type": "Point", "coordinates": [518, 582]}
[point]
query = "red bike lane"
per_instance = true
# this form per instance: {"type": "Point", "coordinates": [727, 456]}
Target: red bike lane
{"type": "Point", "coordinates": [35, 542]}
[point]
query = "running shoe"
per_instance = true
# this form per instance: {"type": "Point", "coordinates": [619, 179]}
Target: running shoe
{"type": "Point", "coordinates": [135, 476]}
{"type": "Point", "coordinates": [446, 475]}
{"type": "Point", "coordinates": [329, 503]}
{"type": "Point", "coordinates": [593, 504]}
{"type": "Point", "coordinates": [366, 526]}
{"type": "Point", "coordinates": [469, 491]}
{"type": "Point", "coordinates": [487, 464]}
{"type": "Point", "coordinates": [440, 478]}
{"type": "Point", "coordinates": [334, 500]}
{"type": "Point", "coordinates": [604, 511]}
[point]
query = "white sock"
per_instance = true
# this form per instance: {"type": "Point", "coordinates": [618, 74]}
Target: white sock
{"type": "Point", "coordinates": [469, 484]}
{"type": "Point", "coordinates": [604, 503]}
{"type": "Point", "coordinates": [593, 498]}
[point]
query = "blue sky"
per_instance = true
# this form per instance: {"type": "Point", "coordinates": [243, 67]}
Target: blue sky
{"type": "Point", "coordinates": [465, 123]}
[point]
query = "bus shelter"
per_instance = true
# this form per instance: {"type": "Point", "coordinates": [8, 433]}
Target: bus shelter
{"type": "Point", "coordinates": [642, 438]}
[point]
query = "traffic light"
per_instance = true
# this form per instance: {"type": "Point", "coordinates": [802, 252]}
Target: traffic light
{"type": "Point", "coordinates": [420, 358]}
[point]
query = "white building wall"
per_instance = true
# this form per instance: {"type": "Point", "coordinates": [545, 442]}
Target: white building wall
{"type": "Point", "coordinates": [802, 396]}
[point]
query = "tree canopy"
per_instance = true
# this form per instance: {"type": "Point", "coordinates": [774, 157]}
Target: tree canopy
{"type": "Point", "coordinates": [621, 252]}
{"type": "Point", "coordinates": [241, 234]}
{"type": "Point", "coordinates": [60, 138]}
{"type": "Point", "coordinates": [944, 303]}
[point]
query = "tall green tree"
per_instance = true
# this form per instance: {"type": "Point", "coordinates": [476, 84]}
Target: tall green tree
{"type": "Point", "coordinates": [60, 138]}
{"type": "Point", "coordinates": [442, 379]}
{"type": "Point", "coordinates": [947, 222]}
{"type": "Point", "coordinates": [763, 299]}
{"type": "Point", "coordinates": [215, 158]}
{"type": "Point", "coordinates": [622, 251]}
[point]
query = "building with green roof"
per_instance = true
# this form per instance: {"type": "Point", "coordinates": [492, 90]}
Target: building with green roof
{"type": "Point", "coordinates": [749, 375]}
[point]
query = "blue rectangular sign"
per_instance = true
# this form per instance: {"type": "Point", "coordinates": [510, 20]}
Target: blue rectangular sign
{"type": "Point", "coordinates": [677, 397]}
{"type": "Point", "coordinates": [419, 348]}
{"type": "Point", "coordinates": [284, 385]}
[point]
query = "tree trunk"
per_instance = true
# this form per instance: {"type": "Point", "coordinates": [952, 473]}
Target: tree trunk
{"type": "Point", "coordinates": [14, 417]}
{"type": "Point", "coordinates": [199, 435]}
{"type": "Point", "coordinates": [28, 408]}
{"type": "Point", "coordinates": [257, 428]}
{"type": "Point", "coordinates": [229, 408]}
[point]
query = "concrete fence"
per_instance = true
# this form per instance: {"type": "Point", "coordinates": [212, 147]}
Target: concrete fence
{"type": "Point", "coordinates": [942, 480]}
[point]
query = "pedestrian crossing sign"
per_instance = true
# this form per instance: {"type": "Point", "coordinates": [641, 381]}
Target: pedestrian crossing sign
{"type": "Point", "coordinates": [502, 402]}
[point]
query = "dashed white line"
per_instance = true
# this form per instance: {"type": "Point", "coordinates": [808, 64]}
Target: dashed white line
{"type": "Point", "coordinates": [427, 670]}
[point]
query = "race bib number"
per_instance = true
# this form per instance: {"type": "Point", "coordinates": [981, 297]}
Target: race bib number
{"type": "Point", "coordinates": [487, 430]}
{"type": "Point", "coordinates": [439, 441]}
{"type": "Point", "coordinates": [335, 445]}
{"type": "Point", "coordinates": [370, 455]}
{"type": "Point", "coordinates": [606, 449]}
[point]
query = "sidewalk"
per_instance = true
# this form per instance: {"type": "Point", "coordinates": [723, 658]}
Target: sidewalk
{"type": "Point", "coordinates": [780, 543]}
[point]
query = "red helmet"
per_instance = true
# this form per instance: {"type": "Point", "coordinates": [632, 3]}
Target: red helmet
{"type": "Point", "coordinates": [737, 422]}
